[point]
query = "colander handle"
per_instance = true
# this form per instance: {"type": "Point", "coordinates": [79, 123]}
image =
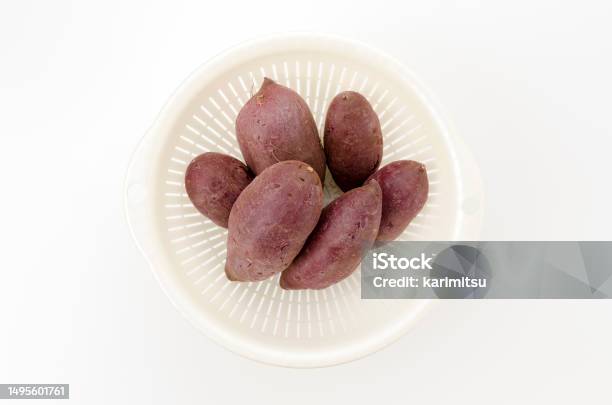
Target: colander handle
{"type": "Point", "coordinates": [138, 195]}
{"type": "Point", "coordinates": [472, 205]}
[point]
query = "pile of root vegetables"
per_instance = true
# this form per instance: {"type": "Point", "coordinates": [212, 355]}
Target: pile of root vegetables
{"type": "Point", "coordinates": [273, 205]}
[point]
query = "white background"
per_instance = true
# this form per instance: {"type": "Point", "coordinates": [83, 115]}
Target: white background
{"type": "Point", "coordinates": [527, 85]}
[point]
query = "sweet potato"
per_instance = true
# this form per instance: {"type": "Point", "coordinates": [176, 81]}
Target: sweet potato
{"type": "Point", "coordinates": [352, 139]}
{"type": "Point", "coordinates": [271, 220]}
{"type": "Point", "coordinates": [276, 125]}
{"type": "Point", "coordinates": [347, 228]}
{"type": "Point", "coordinates": [213, 181]}
{"type": "Point", "coordinates": [405, 188]}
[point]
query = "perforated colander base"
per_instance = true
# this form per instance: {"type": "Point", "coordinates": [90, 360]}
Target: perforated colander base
{"type": "Point", "coordinates": [260, 319]}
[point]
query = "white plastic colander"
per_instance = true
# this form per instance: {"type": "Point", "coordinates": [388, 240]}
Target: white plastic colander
{"type": "Point", "coordinates": [187, 251]}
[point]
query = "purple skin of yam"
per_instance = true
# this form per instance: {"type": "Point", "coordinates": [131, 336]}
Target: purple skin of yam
{"type": "Point", "coordinates": [276, 125]}
{"type": "Point", "coordinates": [347, 228]}
{"type": "Point", "coordinates": [213, 182]}
{"type": "Point", "coordinates": [405, 188]}
{"type": "Point", "coordinates": [353, 140]}
{"type": "Point", "coordinates": [271, 220]}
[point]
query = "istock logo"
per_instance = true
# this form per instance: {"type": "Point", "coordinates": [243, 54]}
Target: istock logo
{"type": "Point", "coordinates": [385, 261]}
